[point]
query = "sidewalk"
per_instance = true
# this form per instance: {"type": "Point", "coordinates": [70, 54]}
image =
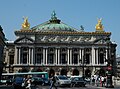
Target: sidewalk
{"type": "Point", "coordinates": [99, 87]}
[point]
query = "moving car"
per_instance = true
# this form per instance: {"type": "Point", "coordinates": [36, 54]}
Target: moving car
{"type": "Point", "coordinates": [77, 81]}
{"type": "Point", "coordinates": [62, 80]}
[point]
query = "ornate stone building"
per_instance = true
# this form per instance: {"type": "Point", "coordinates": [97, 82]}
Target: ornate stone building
{"type": "Point", "coordinates": [2, 44]}
{"type": "Point", "coordinates": [54, 46]}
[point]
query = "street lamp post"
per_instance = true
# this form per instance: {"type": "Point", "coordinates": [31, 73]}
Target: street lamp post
{"type": "Point", "coordinates": [82, 61]}
{"type": "Point", "coordinates": [109, 66]}
{"type": "Point", "coordinates": [66, 66]}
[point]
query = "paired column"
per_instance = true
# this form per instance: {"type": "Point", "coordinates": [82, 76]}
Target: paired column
{"type": "Point", "coordinates": [17, 55]}
{"type": "Point", "coordinates": [93, 56]}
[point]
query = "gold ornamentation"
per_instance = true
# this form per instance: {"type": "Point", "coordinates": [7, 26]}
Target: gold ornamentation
{"type": "Point", "coordinates": [25, 24]}
{"type": "Point", "coordinates": [99, 26]}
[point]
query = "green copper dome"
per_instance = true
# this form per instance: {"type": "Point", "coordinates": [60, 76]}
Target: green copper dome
{"type": "Point", "coordinates": [54, 24]}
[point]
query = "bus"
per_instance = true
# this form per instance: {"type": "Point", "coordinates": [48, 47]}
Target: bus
{"type": "Point", "coordinates": [11, 76]}
{"type": "Point", "coordinates": [33, 74]}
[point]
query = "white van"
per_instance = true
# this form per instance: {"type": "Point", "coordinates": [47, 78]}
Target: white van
{"type": "Point", "coordinates": [62, 80]}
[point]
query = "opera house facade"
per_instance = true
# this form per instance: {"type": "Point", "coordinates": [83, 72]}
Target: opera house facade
{"type": "Point", "coordinates": [56, 47]}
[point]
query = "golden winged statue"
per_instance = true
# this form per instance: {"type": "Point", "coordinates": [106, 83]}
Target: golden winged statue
{"type": "Point", "coordinates": [25, 24]}
{"type": "Point", "coordinates": [99, 26]}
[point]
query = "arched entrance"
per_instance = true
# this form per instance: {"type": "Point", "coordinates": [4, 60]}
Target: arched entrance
{"type": "Point", "coordinates": [39, 70]}
{"type": "Point", "coordinates": [24, 70]}
{"type": "Point", "coordinates": [63, 72]}
{"type": "Point", "coordinates": [36, 70]}
{"type": "Point", "coordinates": [87, 73]}
{"type": "Point", "coordinates": [75, 72]}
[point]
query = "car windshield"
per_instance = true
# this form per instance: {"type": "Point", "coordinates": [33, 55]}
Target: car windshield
{"type": "Point", "coordinates": [78, 78]}
{"type": "Point", "coordinates": [62, 77]}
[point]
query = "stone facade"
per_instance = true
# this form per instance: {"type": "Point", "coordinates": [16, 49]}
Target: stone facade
{"type": "Point", "coordinates": [56, 47]}
{"type": "Point", "coordinates": [2, 44]}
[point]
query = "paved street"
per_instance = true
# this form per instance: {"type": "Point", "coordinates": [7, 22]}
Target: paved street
{"type": "Point", "coordinates": [47, 87]}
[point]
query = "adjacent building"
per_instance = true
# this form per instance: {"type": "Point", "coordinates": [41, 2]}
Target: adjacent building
{"type": "Point", "coordinates": [58, 48]}
{"type": "Point", "coordinates": [2, 44]}
{"type": "Point", "coordinates": [118, 66]}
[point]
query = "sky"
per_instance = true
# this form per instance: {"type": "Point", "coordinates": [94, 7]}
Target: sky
{"type": "Point", "coordinates": [72, 12]}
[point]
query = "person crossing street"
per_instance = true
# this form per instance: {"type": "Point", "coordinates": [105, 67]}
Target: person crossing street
{"type": "Point", "coordinates": [52, 81]}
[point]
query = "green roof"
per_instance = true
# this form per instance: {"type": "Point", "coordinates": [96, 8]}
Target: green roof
{"type": "Point", "coordinates": [54, 24]}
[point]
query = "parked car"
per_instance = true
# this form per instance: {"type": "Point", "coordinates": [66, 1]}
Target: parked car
{"type": "Point", "coordinates": [36, 81]}
{"type": "Point", "coordinates": [88, 80]}
{"type": "Point", "coordinates": [62, 80]}
{"type": "Point", "coordinates": [77, 81]}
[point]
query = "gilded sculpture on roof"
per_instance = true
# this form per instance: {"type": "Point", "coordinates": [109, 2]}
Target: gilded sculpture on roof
{"type": "Point", "coordinates": [99, 26]}
{"type": "Point", "coordinates": [25, 24]}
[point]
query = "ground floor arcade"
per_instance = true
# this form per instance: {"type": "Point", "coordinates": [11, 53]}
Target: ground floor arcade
{"type": "Point", "coordinates": [64, 70]}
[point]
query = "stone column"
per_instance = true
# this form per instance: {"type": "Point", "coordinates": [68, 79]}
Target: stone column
{"type": "Point", "coordinates": [106, 55]}
{"type": "Point", "coordinates": [29, 55]}
{"type": "Point", "coordinates": [32, 56]}
{"type": "Point", "coordinates": [43, 55]}
{"type": "Point", "coordinates": [82, 54]}
{"type": "Point", "coordinates": [46, 52]}
{"type": "Point", "coordinates": [68, 53]}
{"type": "Point", "coordinates": [19, 55]}
{"type": "Point", "coordinates": [80, 58]}
{"type": "Point", "coordinates": [97, 55]}
{"type": "Point", "coordinates": [93, 56]}
{"type": "Point", "coordinates": [70, 56]}
{"type": "Point", "coordinates": [7, 58]}
{"type": "Point", "coordinates": [58, 56]}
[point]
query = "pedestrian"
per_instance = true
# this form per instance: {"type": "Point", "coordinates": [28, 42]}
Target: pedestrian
{"type": "Point", "coordinates": [52, 81]}
{"type": "Point", "coordinates": [93, 80]}
{"type": "Point", "coordinates": [98, 81]}
{"type": "Point", "coordinates": [28, 84]}
{"type": "Point", "coordinates": [24, 84]}
{"type": "Point", "coordinates": [102, 79]}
